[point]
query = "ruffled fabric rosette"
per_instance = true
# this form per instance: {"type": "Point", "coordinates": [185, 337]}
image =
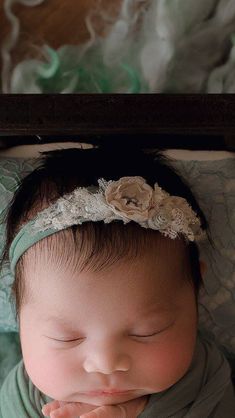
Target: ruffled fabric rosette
{"type": "Point", "coordinates": [127, 199]}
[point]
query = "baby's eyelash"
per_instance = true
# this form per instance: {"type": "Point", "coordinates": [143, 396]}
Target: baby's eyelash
{"type": "Point", "coordinates": [137, 336]}
{"type": "Point", "coordinates": [155, 333]}
{"type": "Point", "coordinates": [68, 341]}
{"type": "Point", "coordinates": [145, 336]}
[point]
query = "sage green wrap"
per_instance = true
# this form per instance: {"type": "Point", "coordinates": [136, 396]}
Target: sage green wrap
{"type": "Point", "coordinates": [19, 398]}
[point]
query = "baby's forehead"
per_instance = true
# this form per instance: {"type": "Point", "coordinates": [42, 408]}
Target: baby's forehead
{"type": "Point", "coordinates": [162, 259]}
{"type": "Point", "coordinates": [157, 248]}
{"type": "Point", "coordinates": [142, 279]}
{"type": "Point", "coordinates": [146, 272]}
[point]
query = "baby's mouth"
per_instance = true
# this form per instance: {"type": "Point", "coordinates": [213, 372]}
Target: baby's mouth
{"type": "Point", "coordinates": [107, 393]}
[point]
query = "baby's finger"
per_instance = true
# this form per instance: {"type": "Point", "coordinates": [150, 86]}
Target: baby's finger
{"type": "Point", "coordinates": [107, 411]}
{"type": "Point", "coordinates": [59, 409]}
{"type": "Point", "coordinates": [70, 410]}
{"type": "Point", "coordinates": [51, 406]}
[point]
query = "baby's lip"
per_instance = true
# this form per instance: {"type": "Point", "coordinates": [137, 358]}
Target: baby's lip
{"type": "Point", "coordinates": [108, 392]}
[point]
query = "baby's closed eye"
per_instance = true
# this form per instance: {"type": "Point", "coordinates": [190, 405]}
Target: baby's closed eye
{"type": "Point", "coordinates": [143, 335]}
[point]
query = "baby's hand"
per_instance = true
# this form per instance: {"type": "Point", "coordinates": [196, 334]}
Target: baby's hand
{"type": "Point", "coordinates": [130, 409]}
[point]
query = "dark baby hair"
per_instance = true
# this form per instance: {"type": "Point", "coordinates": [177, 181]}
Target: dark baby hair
{"type": "Point", "coordinates": [59, 172]}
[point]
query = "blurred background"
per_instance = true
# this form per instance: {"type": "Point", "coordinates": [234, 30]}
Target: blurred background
{"type": "Point", "coordinates": [55, 22]}
{"type": "Point", "coordinates": [121, 46]}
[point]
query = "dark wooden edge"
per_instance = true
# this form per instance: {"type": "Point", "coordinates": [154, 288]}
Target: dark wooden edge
{"type": "Point", "coordinates": [180, 120]}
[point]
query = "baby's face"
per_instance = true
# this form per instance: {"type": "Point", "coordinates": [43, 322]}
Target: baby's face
{"type": "Point", "coordinates": [92, 331]}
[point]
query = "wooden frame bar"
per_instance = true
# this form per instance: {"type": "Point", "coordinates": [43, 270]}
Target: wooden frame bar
{"type": "Point", "coordinates": [180, 120]}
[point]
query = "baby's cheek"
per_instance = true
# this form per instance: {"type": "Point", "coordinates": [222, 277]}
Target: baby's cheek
{"type": "Point", "coordinates": [50, 374]}
{"type": "Point", "coordinates": [167, 363]}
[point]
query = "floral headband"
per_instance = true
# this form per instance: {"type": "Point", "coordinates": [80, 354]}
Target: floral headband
{"type": "Point", "coordinates": [127, 199]}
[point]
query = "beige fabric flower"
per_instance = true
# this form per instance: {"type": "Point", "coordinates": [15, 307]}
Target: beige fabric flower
{"type": "Point", "coordinates": [173, 215]}
{"type": "Point", "coordinates": [127, 199]}
{"type": "Point", "coordinates": [130, 197]}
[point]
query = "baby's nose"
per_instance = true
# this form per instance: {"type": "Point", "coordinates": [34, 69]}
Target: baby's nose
{"type": "Point", "coordinates": [106, 359]}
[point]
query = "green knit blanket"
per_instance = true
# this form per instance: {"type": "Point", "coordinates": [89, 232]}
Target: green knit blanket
{"type": "Point", "coordinates": [10, 353]}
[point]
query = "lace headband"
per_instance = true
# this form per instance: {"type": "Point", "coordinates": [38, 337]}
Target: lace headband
{"type": "Point", "coordinates": [127, 199]}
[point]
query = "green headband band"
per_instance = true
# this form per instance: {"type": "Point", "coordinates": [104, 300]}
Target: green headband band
{"type": "Point", "coordinates": [23, 240]}
{"type": "Point", "coordinates": [26, 238]}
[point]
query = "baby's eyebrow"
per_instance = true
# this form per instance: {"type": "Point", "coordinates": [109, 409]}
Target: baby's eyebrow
{"type": "Point", "coordinates": [61, 322]}
{"type": "Point", "coordinates": [157, 307]}
{"type": "Point", "coordinates": [160, 310]}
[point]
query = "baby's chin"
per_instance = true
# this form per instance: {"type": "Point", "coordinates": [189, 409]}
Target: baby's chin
{"type": "Point", "coordinates": [106, 399]}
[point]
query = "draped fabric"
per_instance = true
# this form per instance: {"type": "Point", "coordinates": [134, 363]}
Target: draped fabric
{"type": "Point", "coordinates": [19, 397]}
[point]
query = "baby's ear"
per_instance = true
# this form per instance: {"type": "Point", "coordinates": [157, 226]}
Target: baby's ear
{"type": "Point", "coordinates": [203, 267]}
